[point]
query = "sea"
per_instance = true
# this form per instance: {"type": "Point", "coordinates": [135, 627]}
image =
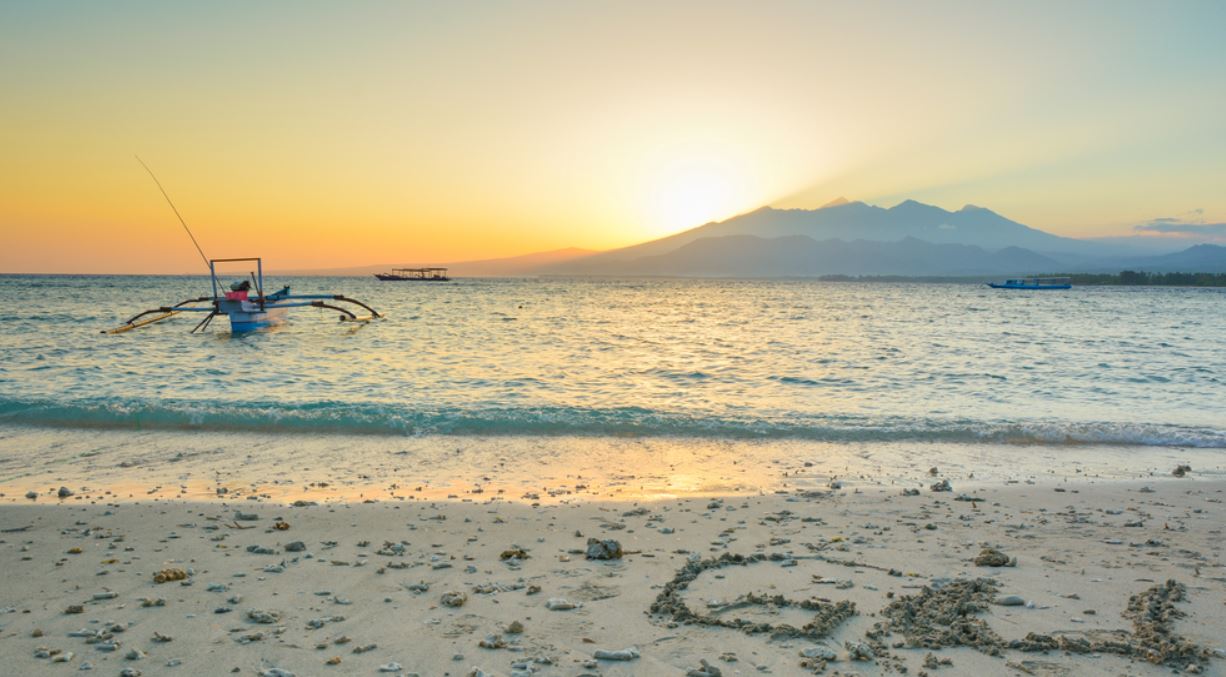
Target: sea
{"type": "Point", "coordinates": [830, 361]}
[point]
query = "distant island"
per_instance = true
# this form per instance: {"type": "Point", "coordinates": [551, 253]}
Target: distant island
{"type": "Point", "coordinates": [1126, 278]}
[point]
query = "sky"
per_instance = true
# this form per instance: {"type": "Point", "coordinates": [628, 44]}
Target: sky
{"type": "Point", "coordinates": [322, 134]}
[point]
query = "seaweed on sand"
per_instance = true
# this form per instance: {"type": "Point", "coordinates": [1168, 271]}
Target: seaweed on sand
{"type": "Point", "coordinates": [945, 616]}
{"type": "Point", "coordinates": [827, 615]}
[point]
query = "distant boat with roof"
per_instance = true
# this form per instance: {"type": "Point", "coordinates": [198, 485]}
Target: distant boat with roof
{"type": "Point", "coordinates": [415, 275]}
{"type": "Point", "coordinates": [1034, 283]}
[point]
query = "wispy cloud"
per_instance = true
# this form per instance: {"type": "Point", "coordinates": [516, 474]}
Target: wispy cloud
{"type": "Point", "coordinates": [1190, 225]}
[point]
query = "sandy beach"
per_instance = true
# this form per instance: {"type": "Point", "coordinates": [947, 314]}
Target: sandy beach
{"type": "Point", "coordinates": [798, 567]}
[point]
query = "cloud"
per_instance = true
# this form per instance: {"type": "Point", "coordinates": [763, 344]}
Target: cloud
{"type": "Point", "coordinates": [1187, 228]}
{"type": "Point", "coordinates": [1190, 225]}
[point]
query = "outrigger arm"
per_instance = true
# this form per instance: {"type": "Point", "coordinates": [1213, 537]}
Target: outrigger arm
{"type": "Point", "coordinates": [348, 316]}
{"type": "Point", "coordinates": [316, 301]}
{"type": "Point", "coordinates": [167, 312]}
{"type": "Point", "coordinates": [373, 313]}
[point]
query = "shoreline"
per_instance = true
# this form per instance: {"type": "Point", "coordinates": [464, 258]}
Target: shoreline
{"type": "Point", "coordinates": [121, 465]}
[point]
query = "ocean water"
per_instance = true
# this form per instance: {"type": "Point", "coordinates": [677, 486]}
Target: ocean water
{"type": "Point", "coordinates": [828, 361]}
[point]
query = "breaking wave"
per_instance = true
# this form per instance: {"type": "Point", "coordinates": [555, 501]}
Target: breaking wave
{"type": "Point", "coordinates": [330, 417]}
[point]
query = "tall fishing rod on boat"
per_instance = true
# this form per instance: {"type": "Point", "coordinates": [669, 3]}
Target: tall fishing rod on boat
{"type": "Point", "coordinates": [176, 211]}
{"type": "Point", "coordinates": [207, 264]}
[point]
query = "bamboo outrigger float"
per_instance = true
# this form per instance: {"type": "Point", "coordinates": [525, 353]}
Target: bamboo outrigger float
{"type": "Point", "coordinates": [248, 312]}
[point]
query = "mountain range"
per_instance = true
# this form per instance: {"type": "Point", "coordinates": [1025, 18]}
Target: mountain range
{"type": "Point", "coordinates": [910, 239]}
{"type": "Point", "coordinates": [854, 238]}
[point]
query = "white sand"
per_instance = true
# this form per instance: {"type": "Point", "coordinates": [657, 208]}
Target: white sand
{"type": "Point", "coordinates": [1068, 531]}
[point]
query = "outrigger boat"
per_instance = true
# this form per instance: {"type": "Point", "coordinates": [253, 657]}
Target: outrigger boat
{"type": "Point", "coordinates": [1034, 283]}
{"type": "Point", "coordinates": [247, 312]}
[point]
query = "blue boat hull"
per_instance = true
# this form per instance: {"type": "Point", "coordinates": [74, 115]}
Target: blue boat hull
{"type": "Point", "coordinates": [243, 321]}
{"type": "Point", "coordinates": [1031, 287]}
{"type": "Point", "coordinates": [243, 327]}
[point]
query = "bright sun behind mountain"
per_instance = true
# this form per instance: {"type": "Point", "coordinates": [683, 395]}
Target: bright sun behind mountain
{"type": "Point", "coordinates": [695, 193]}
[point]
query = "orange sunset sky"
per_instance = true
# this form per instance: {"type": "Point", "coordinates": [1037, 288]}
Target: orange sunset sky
{"type": "Point", "coordinates": [335, 134]}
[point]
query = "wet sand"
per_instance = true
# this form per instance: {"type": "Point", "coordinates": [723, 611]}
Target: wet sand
{"type": "Point", "coordinates": [148, 465]}
{"type": "Point", "coordinates": [787, 569]}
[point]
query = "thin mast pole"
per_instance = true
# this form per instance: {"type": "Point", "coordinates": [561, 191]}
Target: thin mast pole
{"type": "Point", "coordinates": [176, 211]}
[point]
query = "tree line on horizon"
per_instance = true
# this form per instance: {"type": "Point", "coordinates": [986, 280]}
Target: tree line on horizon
{"type": "Point", "coordinates": [1127, 278]}
{"type": "Point", "coordinates": [1142, 278]}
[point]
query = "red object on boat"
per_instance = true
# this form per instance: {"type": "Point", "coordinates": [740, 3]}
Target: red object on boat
{"type": "Point", "coordinates": [236, 295]}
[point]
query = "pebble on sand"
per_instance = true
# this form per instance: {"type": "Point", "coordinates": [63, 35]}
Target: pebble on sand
{"type": "Point", "coordinates": [991, 557]}
{"type": "Point", "coordinates": [707, 670]}
{"type": "Point", "coordinates": [514, 552]}
{"type": "Point", "coordinates": [263, 617]}
{"type": "Point", "coordinates": [821, 652]}
{"type": "Point", "coordinates": [603, 549]}
{"type": "Point", "coordinates": [170, 574]}
{"type": "Point", "coordinates": [859, 651]}
{"type": "Point", "coordinates": [627, 654]}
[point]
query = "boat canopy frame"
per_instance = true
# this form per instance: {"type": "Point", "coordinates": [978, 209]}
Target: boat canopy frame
{"type": "Point", "coordinates": [259, 275]}
{"type": "Point", "coordinates": [1043, 280]}
{"type": "Point", "coordinates": [426, 273]}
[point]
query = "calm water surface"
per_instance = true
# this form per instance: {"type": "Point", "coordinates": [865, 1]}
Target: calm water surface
{"type": "Point", "coordinates": [804, 359]}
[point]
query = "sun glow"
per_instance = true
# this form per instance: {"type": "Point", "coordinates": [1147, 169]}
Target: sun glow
{"type": "Point", "coordinates": [693, 193]}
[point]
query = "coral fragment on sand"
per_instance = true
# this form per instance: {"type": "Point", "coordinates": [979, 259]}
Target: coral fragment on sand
{"type": "Point", "coordinates": [171, 574]}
